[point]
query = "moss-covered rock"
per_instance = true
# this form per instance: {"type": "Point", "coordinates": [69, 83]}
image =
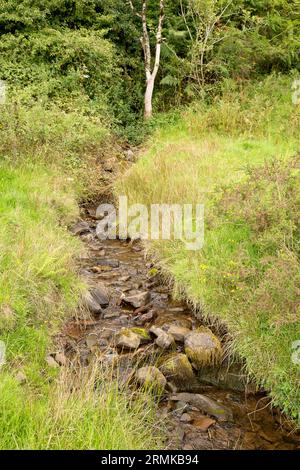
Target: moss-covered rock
{"type": "Point", "coordinates": [127, 339]}
{"type": "Point", "coordinates": [178, 370]}
{"type": "Point", "coordinates": [203, 348]}
{"type": "Point", "coordinates": [142, 333]}
{"type": "Point", "coordinates": [151, 378]}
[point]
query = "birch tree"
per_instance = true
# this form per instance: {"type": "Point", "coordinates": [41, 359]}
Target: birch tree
{"type": "Point", "coordinates": [151, 63]}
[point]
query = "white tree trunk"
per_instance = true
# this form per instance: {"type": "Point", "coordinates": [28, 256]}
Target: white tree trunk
{"type": "Point", "coordinates": [148, 97]}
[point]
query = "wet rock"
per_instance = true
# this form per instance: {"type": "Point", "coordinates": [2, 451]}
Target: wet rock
{"type": "Point", "coordinates": [91, 304]}
{"type": "Point", "coordinates": [127, 339]}
{"type": "Point", "coordinates": [163, 339]}
{"type": "Point", "coordinates": [185, 418]}
{"type": "Point", "coordinates": [123, 320]}
{"type": "Point", "coordinates": [178, 332]}
{"type": "Point", "coordinates": [80, 228]}
{"type": "Point", "coordinates": [142, 309]}
{"type": "Point", "coordinates": [125, 278]}
{"type": "Point", "coordinates": [143, 334]}
{"type": "Point", "coordinates": [101, 295]}
{"type": "Point", "coordinates": [136, 300]}
{"type": "Point", "coordinates": [187, 447]}
{"type": "Point", "coordinates": [178, 370]}
{"type": "Point", "coordinates": [110, 263]}
{"type": "Point", "coordinates": [137, 248]}
{"type": "Point", "coordinates": [152, 378]}
{"type": "Point", "coordinates": [107, 333]}
{"type": "Point", "coordinates": [85, 272]}
{"type": "Point", "coordinates": [181, 406]}
{"type": "Point", "coordinates": [202, 347]}
{"type": "Point", "coordinates": [177, 309]}
{"type": "Point", "coordinates": [108, 316]}
{"type": "Point", "coordinates": [205, 404]}
{"type": "Point", "coordinates": [138, 285]}
{"type": "Point", "coordinates": [145, 318]}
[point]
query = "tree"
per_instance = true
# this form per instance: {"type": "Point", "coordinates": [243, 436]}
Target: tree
{"type": "Point", "coordinates": [206, 24]}
{"type": "Point", "coordinates": [151, 68]}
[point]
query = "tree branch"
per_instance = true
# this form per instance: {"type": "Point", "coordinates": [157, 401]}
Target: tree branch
{"type": "Point", "coordinates": [133, 9]}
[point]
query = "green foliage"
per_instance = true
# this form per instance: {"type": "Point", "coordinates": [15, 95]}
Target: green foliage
{"type": "Point", "coordinates": [23, 15]}
{"type": "Point", "coordinates": [91, 50]}
{"type": "Point", "coordinates": [59, 66]}
{"type": "Point", "coordinates": [258, 275]}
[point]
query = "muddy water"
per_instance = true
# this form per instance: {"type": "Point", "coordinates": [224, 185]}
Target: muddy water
{"type": "Point", "coordinates": [121, 268]}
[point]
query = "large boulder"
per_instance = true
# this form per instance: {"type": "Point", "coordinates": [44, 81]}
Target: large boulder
{"type": "Point", "coordinates": [151, 378]}
{"type": "Point", "coordinates": [178, 370]}
{"type": "Point", "coordinates": [203, 348]}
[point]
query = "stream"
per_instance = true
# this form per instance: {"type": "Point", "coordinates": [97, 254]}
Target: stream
{"type": "Point", "coordinates": [211, 408]}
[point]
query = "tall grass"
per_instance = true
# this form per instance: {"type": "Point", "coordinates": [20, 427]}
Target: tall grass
{"type": "Point", "coordinates": [205, 158]}
{"type": "Point", "coordinates": [82, 409]}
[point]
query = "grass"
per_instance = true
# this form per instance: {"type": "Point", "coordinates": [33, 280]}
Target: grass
{"type": "Point", "coordinates": [40, 289]}
{"type": "Point", "coordinates": [247, 274]}
{"type": "Point", "coordinates": [42, 175]}
{"type": "Point", "coordinates": [75, 415]}
{"type": "Point", "coordinates": [39, 285]}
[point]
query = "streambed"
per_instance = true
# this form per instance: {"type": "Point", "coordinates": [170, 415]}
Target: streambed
{"type": "Point", "coordinates": [231, 414]}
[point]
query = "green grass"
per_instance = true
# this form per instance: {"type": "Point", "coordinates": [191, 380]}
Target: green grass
{"type": "Point", "coordinates": [247, 274]}
{"type": "Point", "coordinates": [72, 414]}
{"type": "Point", "coordinates": [40, 290]}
